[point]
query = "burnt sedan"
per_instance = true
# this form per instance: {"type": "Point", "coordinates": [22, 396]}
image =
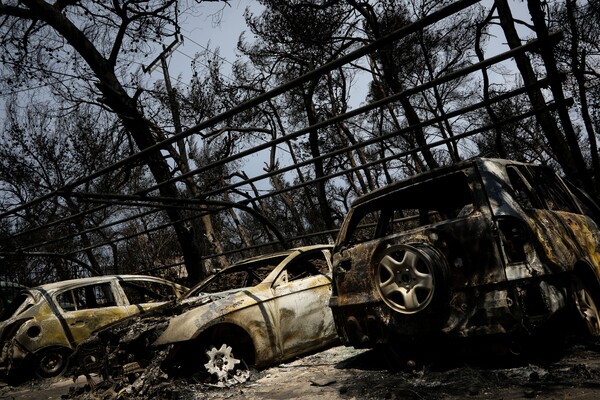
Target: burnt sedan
{"type": "Point", "coordinates": [258, 312]}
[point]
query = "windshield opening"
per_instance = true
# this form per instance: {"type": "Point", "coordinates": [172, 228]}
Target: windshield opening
{"type": "Point", "coordinates": [239, 276]}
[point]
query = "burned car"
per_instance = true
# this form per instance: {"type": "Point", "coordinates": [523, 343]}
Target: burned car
{"type": "Point", "coordinates": [484, 247]}
{"type": "Point", "coordinates": [42, 326]}
{"type": "Point", "coordinates": [257, 312]}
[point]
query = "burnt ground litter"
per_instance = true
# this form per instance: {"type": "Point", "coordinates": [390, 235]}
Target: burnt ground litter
{"type": "Point", "coordinates": [347, 373]}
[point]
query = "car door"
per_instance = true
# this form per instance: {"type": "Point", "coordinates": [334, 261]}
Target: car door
{"type": "Point", "coordinates": [301, 295]}
{"type": "Point", "coordinates": [89, 307]}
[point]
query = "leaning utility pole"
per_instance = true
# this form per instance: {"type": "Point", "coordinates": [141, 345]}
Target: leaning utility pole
{"type": "Point", "coordinates": [182, 161]}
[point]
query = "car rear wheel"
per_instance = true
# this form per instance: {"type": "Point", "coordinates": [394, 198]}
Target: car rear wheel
{"type": "Point", "coordinates": [408, 277]}
{"type": "Point", "coordinates": [587, 307]}
{"type": "Point", "coordinates": [51, 362]}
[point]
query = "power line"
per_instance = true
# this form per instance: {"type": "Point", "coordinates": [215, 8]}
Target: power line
{"type": "Point", "coordinates": [330, 155]}
{"type": "Point", "coordinates": [257, 100]}
{"type": "Point", "coordinates": [67, 190]}
{"type": "Point", "coordinates": [208, 50]}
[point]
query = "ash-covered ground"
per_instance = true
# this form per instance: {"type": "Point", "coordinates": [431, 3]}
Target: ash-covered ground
{"type": "Point", "coordinates": [346, 373]}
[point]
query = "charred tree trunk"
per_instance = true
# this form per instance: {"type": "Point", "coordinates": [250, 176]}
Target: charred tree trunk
{"type": "Point", "coordinates": [547, 53]}
{"type": "Point", "coordinates": [313, 140]}
{"type": "Point", "coordinates": [140, 129]}
{"type": "Point", "coordinates": [545, 119]}
{"type": "Point", "coordinates": [499, 144]}
{"type": "Point", "coordinates": [390, 77]}
{"type": "Point", "coordinates": [578, 68]}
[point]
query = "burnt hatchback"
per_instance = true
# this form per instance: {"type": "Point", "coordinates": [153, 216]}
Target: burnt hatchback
{"type": "Point", "coordinates": [484, 247]}
{"type": "Point", "coordinates": [42, 325]}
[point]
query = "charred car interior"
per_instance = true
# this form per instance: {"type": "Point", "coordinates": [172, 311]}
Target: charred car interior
{"type": "Point", "coordinates": [257, 312]}
{"type": "Point", "coordinates": [484, 247]}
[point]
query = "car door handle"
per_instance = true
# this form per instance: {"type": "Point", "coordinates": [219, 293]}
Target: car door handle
{"type": "Point", "coordinates": [77, 323]}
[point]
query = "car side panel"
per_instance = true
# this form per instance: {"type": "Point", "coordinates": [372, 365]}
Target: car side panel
{"type": "Point", "coordinates": [247, 308]}
{"type": "Point", "coordinates": [304, 319]}
{"type": "Point", "coordinates": [42, 330]}
{"type": "Point", "coordinates": [82, 323]}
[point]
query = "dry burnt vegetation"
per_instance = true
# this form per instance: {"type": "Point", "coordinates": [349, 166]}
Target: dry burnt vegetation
{"type": "Point", "coordinates": [345, 373]}
{"type": "Point", "coordinates": [106, 170]}
{"type": "Point", "coordinates": [108, 173]}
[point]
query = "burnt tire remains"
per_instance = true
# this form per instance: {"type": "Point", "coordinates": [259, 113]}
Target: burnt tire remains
{"type": "Point", "coordinates": [221, 361]}
{"type": "Point", "coordinates": [586, 305]}
{"type": "Point", "coordinates": [223, 366]}
{"type": "Point", "coordinates": [51, 362]}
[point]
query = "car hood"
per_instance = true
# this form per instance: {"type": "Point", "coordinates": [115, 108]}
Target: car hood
{"type": "Point", "coordinates": [188, 324]}
{"type": "Point", "coordinates": [153, 320]}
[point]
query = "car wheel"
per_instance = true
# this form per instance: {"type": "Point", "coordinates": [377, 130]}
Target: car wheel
{"type": "Point", "coordinates": [586, 307]}
{"type": "Point", "coordinates": [408, 276]}
{"type": "Point", "coordinates": [51, 362]}
{"type": "Point", "coordinates": [224, 366]}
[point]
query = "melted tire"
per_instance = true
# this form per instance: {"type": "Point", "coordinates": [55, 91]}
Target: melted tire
{"type": "Point", "coordinates": [51, 362]}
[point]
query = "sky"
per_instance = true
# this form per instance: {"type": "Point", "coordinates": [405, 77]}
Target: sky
{"type": "Point", "coordinates": [218, 26]}
{"type": "Point", "coordinates": [214, 26]}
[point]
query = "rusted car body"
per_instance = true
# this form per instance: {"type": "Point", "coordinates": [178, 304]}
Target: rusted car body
{"type": "Point", "coordinates": [257, 312]}
{"type": "Point", "coordinates": [480, 248]}
{"type": "Point", "coordinates": [43, 325]}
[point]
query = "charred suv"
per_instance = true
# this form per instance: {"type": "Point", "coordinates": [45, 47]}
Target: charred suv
{"type": "Point", "coordinates": [480, 248]}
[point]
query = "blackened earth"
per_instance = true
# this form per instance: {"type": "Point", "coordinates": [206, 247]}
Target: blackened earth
{"type": "Point", "coordinates": [347, 373]}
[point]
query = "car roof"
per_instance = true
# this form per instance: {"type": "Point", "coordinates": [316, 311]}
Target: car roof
{"type": "Point", "coordinates": [283, 253]}
{"type": "Point", "coordinates": [264, 257]}
{"type": "Point", "coordinates": [70, 283]}
{"type": "Point", "coordinates": [483, 163]}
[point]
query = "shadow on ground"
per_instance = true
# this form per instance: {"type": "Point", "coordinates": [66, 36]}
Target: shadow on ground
{"type": "Point", "coordinates": [575, 372]}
